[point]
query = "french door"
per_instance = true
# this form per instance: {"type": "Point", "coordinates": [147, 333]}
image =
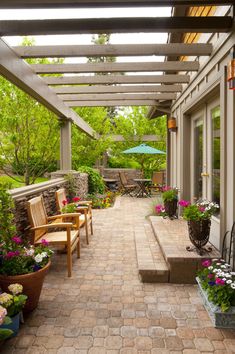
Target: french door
{"type": "Point", "coordinates": [205, 153]}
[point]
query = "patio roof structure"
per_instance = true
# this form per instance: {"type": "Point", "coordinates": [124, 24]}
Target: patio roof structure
{"type": "Point", "coordinates": [123, 85]}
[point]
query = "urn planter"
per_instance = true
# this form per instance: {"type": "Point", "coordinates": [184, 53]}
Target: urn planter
{"type": "Point", "coordinates": [199, 233]}
{"type": "Point", "coordinates": [219, 319]}
{"type": "Point", "coordinates": [171, 207]}
{"type": "Point", "coordinates": [32, 285]}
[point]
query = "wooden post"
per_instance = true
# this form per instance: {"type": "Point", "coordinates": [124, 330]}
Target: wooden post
{"type": "Point", "coordinates": [65, 146]}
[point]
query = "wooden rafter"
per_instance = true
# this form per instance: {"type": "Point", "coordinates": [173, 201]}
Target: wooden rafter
{"type": "Point", "coordinates": [116, 50]}
{"type": "Point", "coordinates": [116, 25]}
{"type": "Point", "coordinates": [116, 79]}
{"type": "Point", "coordinates": [114, 103]}
{"type": "Point", "coordinates": [105, 3]}
{"type": "Point", "coordinates": [118, 96]}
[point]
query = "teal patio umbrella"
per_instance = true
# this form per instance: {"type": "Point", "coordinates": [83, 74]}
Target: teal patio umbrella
{"type": "Point", "coordinates": [143, 149]}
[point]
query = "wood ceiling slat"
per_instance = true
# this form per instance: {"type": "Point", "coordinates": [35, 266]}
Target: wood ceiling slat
{"type": "Point", "coordinates": [115, 67]}
{"type": "Point", "coordinates": [113, 50]}
{"type": "Point", "coordinates": [116, 25]}
{"type": "Point", "coordinates": [118, 96]}
{"type": "Point", "coordinates": [114, 103]}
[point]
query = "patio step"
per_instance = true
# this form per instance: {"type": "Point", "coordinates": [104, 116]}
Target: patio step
{"type": "Point", "coordinates": [172, 236]}
{"type": "Point", "coordinates": [151, 264]}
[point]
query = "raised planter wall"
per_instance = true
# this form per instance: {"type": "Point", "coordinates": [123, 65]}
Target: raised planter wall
{"type": "Point", "coordinates": [113, 173]}
{"type": "Point", "coordinates": [47, 189]}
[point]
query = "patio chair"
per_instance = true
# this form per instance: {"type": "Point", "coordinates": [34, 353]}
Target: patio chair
{"type": "Point", "coordinates": [41, 226]}
{"type": "Point", "coordinates": [84, 207]}
{"type": "Point", "coordinates": [127, 188]}
{"type": "Point", "coordinates": [157, 180]}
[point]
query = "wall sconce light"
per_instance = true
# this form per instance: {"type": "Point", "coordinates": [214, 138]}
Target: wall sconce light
{"type": "Point", "coordinates": [171, 125]}
{"type": "Point", "coordinates": [231, 71]}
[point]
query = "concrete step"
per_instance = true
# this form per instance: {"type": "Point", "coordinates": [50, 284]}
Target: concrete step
{"type": "Point", "coordinates": [151, 264]}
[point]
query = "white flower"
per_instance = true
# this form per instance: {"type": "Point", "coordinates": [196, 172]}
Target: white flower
{"type": "Point", "coordinates": [38, 258]}
{"type": "Point", "coordinates": [218, 264]}
{"type": "Point", "coordinates": [216, 270]}
{"type": "Point", "coordinates": [224, 279]}
{"type": "Point", "coordinates": [210, 268]}
{"type": "Point", "coordinates": [223, 266]}
{"type": "Point", "coordinates": [232, 285]}
{"type": "Point", "coordinates": [229, 281]}
{"type": "Point", "coordinates": [228, 276]}
{"type": "Point", "coordinates": [15, 288]}
{"type": "Point", "coordinates": [29, 252]}
{"type": "Point", "coordinates": [215, 260]}
{"type": "Point", "coordinates": [44, 254]}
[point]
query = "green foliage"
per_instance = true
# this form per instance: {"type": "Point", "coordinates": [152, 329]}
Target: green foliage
{"type": "Point", "coordinates": [102, 201]}
{"type": "Point", "coordinates": [170, 195]}
{"type": "Point", "coordinates": [71, 186]}
{"type": "Point", "coordinates": [95, 181]}
{"type": "Point", "coordinates": [219, 283]}
{"type": "Point", "coordinates": [123, 162]}
{"type": "Point", "coordinates": [13, 183]}
{"type": "Point", "coordinates": [15, 301]}
{"type": "Point", "coordinates": [200, 211]}
{"type": "Point", "coordinates": [29, 138]}
{"type": "Point", "coordinates": [8, 228]}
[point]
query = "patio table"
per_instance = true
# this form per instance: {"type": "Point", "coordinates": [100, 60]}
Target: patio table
{"type": "Point", "coordinates": [143, 183]}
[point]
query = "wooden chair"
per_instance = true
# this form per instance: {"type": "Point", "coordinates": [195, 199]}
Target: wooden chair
{"type": "Point", "coordinates": [127, 188]}
{"type": "Point", "coordinates": [157, 180]}
{"type": "Point", "coordinates": [41, 227]}
{"type": "Point", "coordinates": [84, 207]}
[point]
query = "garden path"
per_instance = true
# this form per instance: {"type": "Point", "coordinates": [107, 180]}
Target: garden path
{"type": "Point", "coordinates": [104, 308]}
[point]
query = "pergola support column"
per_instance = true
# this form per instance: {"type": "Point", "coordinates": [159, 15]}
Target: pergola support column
{"type": "Point", "coordinates": [65, 146]}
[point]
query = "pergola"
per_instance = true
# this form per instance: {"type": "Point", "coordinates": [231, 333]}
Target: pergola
{"type": "Point", "coordinates": [61, 93]}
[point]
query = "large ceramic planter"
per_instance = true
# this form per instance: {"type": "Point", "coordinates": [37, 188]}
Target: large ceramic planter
{"type": "Point", "coordinates": [171, 207]}
{"type": "Point", "coordinates": [199, 233]}
{"type": "Point", "coordinates": [219, 319]}
{"type": "Point", "coordinates": [32, 285]}
{"type": "Point", "coordinates": [14, 325]}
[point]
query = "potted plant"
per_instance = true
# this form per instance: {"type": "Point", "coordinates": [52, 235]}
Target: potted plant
{"type": "Point", "coordinates": [216, 284]}
{"type": "Point", "coordinates": [4, 320]}
{"type": "Point", "coordinates": [20, 262]}
{"type": "Point", "coordinates": [198, 216]}
{"type": "Point", "coordinates": [170, 199]}
{"type": "Point", "coordinates": [14, 304]}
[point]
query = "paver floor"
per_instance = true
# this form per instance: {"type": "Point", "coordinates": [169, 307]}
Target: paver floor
{"type": "Point", "coordinates": [104, 308]}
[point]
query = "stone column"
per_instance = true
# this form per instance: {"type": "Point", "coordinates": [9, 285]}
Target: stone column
{"type": "Point", "coordinates": [65, 146]}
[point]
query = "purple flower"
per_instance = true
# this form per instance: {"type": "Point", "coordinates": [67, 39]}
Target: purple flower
{"type": "Point", "coordinates": [36, 267]}
{"type": "Point", "coordinates": [16, 239]}
{"type": "Point", "coordinates": [44, 242]}
{"type": "Point", "coordinates": [12, 254]}
{"type": "Point", "coordinates": [206, 263]}
{"type": "Point", "coordinates": [184, 203]}
{"type": "Point", "coordinates": [210, 276]}
{"type": "Point", "coordinates": [211, 283]}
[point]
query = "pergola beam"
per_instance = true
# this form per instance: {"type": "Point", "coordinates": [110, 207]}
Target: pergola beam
{"type": "Point", "coordinates": [120, 138]}
{"type": "Point", "coordinates": [118, 96]}
{"type": "Point", "coordinates": [116, 89]}
{"type": "Point", "coordinates": [115, 67]}
{"type": "Point", "coordinates": [105, 3]}
{"type": "Point", "coordinates": [114, 103]}
{"type": "Point", "coordinates": [20, 74]}
{"type": "Point", "coordinates": [116, 79]}
{"type": "Point", "coordinates": [58, 51]}
{"type": "Point", "coordinates": [116, 25]}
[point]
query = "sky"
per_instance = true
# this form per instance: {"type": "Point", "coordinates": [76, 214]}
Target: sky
{"type": "Point", "coordinates": [133, 38]}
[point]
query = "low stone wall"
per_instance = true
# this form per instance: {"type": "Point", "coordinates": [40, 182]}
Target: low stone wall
{"type": "Point", "coordinates": [47, 190]}
{"type": "Point", "coordinates": [113, 173]}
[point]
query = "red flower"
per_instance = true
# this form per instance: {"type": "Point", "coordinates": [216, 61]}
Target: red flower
{"type": "Point", "coordinates": [11, 254]}
{"type": "Point", "coordinates": [64, 202]}
{"type": "Point", "coordinates": [16, 239]}
{"type": "Point", "coordinates": [44, 242]}
{"type": "Point", "coordinates": [76, 199]}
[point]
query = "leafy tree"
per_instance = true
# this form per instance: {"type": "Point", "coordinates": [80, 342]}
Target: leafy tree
{"type": "Point", "coordinates": [29, 141]}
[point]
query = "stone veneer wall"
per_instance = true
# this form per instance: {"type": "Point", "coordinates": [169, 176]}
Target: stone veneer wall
{"type": "Point", "coordinates": [130, 174]}
{"type": "Point", "coordinates": [47, 189]}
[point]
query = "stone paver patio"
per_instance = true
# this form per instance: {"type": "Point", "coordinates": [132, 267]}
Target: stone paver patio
{"type": "Point", "coordinates": [105, 308]}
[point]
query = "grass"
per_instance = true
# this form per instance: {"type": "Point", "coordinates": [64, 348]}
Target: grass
{"type": "Point", "coordinates": [19, 182]}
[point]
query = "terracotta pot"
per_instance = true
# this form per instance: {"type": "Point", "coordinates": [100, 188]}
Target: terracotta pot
{"type": "Point", "coordinates": [32, 285]}
{"type": "Point", "coordinates": [170, 207]}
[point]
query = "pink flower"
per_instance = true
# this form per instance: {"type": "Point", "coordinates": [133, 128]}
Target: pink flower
{"type": "Point", "coordinates": [184, 203]}
{"type": "Point", "coordinates": [64, 202]}
{"type": "Point", "coordinates": [16, 239]}
{"type": "Point", "coordinates": [44, 242]}
{"type": "Point", "coordinates": [159, 208]}
{"type": "Point", "coordinates": [206, 263]}
{"type": "Point", "coordinates": [76, 199]}
{"type": "Point", "coordinates": [166, 188]}
{"type": "Point", "coordinates": [201, 209]}
{"type": "Point", "coordinates": [12, 254]}
{"type": "Point", "coordinates": [219, 281]}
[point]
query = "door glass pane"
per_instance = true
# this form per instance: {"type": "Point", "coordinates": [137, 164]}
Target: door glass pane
{"type": "Point", "coordinates": [198, 158]}
{"type": "Point", "coordinates": [215, 115]}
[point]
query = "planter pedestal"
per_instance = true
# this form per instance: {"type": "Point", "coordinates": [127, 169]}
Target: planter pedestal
{"type": "Point", "coordinates": [219, 319]}
{"type": "Point", "coordinates": [32, 285]}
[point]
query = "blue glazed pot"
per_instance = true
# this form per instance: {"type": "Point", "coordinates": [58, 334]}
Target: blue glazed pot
{"type": "Point", "coordinates": [14, 325]}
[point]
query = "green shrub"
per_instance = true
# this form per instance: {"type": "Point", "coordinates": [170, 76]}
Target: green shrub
{"type": "Point", "coordinates": [95, 181]}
